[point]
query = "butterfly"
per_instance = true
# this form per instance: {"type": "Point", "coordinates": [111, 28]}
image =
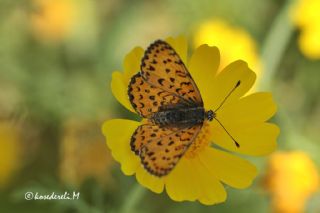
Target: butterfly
{"type": "Point", "coordinates": [166, 96]}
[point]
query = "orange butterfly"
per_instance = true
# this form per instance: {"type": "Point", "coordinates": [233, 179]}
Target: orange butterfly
{"type": "Point", "coordinates": [165, 94]}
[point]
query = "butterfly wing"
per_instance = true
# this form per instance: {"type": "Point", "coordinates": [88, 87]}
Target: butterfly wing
{"type": "Point", "coordinates": [159, 148]}
{"type": "Point", "coordinates": [162, 67]}
{"type": "Point", "coordinates": [147, 99]}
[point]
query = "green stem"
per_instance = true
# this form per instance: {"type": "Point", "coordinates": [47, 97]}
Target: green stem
{"type": "Point", "coordinates": [133, 199]}
{"type": "Point", "coordinates": [275, 44]}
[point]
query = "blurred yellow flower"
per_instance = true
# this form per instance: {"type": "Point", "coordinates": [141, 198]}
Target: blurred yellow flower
{"type": "Point", "coordinates": [306, 16]}
{"type": "Point", "coordinates": [83, 154]}
{"type": "Point", "coordinates": [291, 179]}
{"type": "Point", "coordinates": [58, 20]}
{"type": "Point", "coordinates": [234, 43]}
{"type": "Point", "coordinates": [200, 172]}
{"type": "Point", "coordinates": [54, 19]}
{"type": "Point", "coordinates": [9, 152]}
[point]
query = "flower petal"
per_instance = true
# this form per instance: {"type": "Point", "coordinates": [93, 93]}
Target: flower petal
{"type": "Point", "coordinates": [152, 182]}
{"type": "Point", "coordinates": [203, 67]}
{"type": "Point", "coordinates": [118, 133]}
{"type": "Point", "coordinates": [257, 107]}
{"type": "Point", "coordinates": [190, 180]}
{"type": "Point", "coordinates": [119, 90]}
{"type": "Point", "coordinates": [254, 139]}
{"type": "Point", "coordinates": [120, 81]}
{"type": "Point", "coordinates": [132, 63]}
{"type": "Point", "coordinates": [180, 45]}
{"type": "Point", "coordinates": [230, 169]}
{"type": "Point", "coordinates": [211, 190]}
{"type": "Point", "coordinates": [226, 80]}
{"type": "Point", "coordinates": [180, 182]}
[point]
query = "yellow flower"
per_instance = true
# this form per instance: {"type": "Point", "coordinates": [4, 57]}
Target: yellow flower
{"type": "Point", "coordinates": [306, 16]}
{"type": "Point", "coordinates": [53, 19]}
{"type": "Point", "coordinates": [291, 179]}
{"type": "Point", "coordinates": [59, 20]}
{"type": "Point", "coordinates": [202, 170]}
{"type": "Point", "coordinates": [234, 43]}
{"type": "Point", "coordinates": [9, 152]}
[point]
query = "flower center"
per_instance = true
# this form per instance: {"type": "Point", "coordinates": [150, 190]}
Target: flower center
{"type": "Point", "coordinates": [200, 142]}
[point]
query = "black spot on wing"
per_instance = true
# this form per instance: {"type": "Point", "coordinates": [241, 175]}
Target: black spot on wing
{"type": "Point", "coordinates": [160, 81]}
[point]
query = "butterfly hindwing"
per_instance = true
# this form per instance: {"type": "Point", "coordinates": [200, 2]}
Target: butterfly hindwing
{"type": "Point", "coordinates": [160, 148]}
{"type": "Point", "coordinates": [147, 99]}
{"type": "Point", "coordinates": [162, 67]}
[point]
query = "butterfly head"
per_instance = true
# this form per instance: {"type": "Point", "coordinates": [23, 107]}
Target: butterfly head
{"type": "Point", "coordinates": [210, 115]}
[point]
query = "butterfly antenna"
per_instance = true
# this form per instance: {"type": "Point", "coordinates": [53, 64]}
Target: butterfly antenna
{"type": "Point", "coordinates": [224, 100]}
{"type": "Point", "coordinates": [234, 140]}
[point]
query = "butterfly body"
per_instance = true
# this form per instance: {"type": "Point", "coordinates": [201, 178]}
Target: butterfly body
{"type": "Point", "coordinates": [179, 117]}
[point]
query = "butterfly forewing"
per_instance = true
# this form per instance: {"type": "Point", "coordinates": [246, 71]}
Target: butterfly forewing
{"type": "Point", "coordinates": [162, 67]}
{"type": "Point", "coordinates": [147, 99]}
{"type": "Point", "coordinates": [160, 149]}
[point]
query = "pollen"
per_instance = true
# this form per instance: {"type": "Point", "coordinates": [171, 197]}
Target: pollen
{"type": "Point", "coordinates": [201, 142]}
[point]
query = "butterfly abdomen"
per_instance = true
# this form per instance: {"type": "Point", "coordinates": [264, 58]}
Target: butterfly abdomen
{"type": "Point", "coordinates": [179, 117]}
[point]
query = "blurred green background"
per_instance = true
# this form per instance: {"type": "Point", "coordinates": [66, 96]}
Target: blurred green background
{"type": "Point", "coordinates": [56, 61]}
